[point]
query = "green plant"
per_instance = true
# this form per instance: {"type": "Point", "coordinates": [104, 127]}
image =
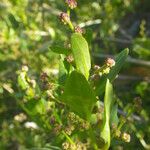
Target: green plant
{"type": "Point", "coordinates": [76, 94]}
{"type": "Point", "coordinates": [41, 111]}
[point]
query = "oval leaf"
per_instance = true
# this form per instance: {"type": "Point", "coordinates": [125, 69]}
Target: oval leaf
{"type": "Point", "coordinates": [81, 54]}
{"type": "Point", "coordinates": [78, 95]}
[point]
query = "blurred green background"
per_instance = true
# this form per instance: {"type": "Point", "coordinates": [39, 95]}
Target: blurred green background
{"type": "Point", "coordinates": [29, 27]}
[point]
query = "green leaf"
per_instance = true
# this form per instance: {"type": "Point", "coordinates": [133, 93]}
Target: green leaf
{"type": "Point", "coordinates": [88, 35]}
{"type": "Point", "coordinates": [62, 72]}
{"type": "Point", "coordinates": [120, 60]}
{"type": "Point", "coordinates": [48, 148]}
{"type": "Point", "coordinates": [65, 68]}
{"type": "Point", "coordinates": [114, 116]}
{"type": "Point", "coordinates": [108, 101]}
{"type": "Point", "coordinates": [81, 54]}
{"type": "Point", "coordinates": [60, 50]}
{"type": "Point", "coordinates": [78, 95]}
{"type": "Point", "coordinates": [34, 107]}
{"type": "Point", "coordinates": [22, 80]}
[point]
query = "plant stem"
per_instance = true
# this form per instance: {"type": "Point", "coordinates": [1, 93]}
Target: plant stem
{"type": "Point", "coordinates": [93, 138]}
{"type": "Point", "coordinates": [68, 138]}
{"type": "Point", "coordinates": [70, 23]}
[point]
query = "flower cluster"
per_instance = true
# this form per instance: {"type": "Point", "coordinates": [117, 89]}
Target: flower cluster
{"type": "Point", "coordinates": [64, 17]}
{"type": "Point", "coordinates": [78, 29]}
{"type": "Point", "coordinates": [110, 62]}
{"type": "Point", "coordinates": [71, 3]}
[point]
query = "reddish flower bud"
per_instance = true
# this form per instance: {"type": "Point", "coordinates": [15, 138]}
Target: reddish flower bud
{"type": "Point", "coordinates": [44, 76]}
{"type": "Point", "coordinates": [71, 3]}
{"type": "Point", "coordinates": [78, 29]}
{"type": "Point", "coordinates": [64, 17]}
{"type": "Point", "coordinates": [110, 62]}
{"type": "Point", "coordinates": [70, 58]}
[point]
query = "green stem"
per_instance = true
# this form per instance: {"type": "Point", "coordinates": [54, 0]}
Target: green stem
{"type": "Point", "coordinates": [70, 23]}
{"type": "Point", "coordinates": [101, 69]}
{"type": "Point", "coordinates": [68, 138]}
{"type": "Point", "coordinates": [124, 121]}
{"type": "Point", "coordinates": [68, 12]}
{"type": "Point", "coordinates": [93, 138]}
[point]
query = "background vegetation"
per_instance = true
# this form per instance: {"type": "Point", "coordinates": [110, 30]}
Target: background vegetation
{"type": "Point", "coordinates": [28, 28]}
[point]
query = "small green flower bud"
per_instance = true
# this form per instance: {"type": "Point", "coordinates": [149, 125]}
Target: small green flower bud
{"type": "Point", "coordinates": [117, 133]}
{"type": "Point", "coordinates": [81, 146]}
{"type": "Point", "coordinates": [25, 68]}
{"type": "Point", "coordinates": [84, 126]}
{"type": "Point", "coordinates": [78, 30]}
{"type": "Point", "coordinates": [65, 145]}
{"type": "Point", "coordinates": [96, 67]}
{"type": "Point", "coordinates": [126, 137]}
{"type": "Point", "coordinates": [73, 147]}
{"type": "Point", "coordinates": [64, 17]}
{"type": "Point", "coordinates": [110, 62]}
{"type": "Point", "coordinates": [69, 129]}
{"type": "Point", "coordinates": [71, 3]}
{"type": "Point", "coordinates": [106, 70]}
{"type": "Point", "coordinates": [33, 83]}
{"type": "Point", "coordinates": [57, 129]}
{"type": "Point", "coordinates": [20, 117]}
{"type": "Point", "coordinates": [72, 118]}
